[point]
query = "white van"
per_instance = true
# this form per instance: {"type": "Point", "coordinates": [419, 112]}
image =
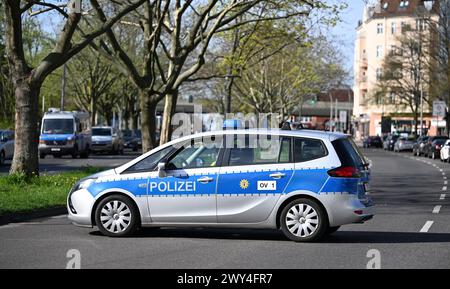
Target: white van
{"type": "Point", "coordinates": [65, 133]}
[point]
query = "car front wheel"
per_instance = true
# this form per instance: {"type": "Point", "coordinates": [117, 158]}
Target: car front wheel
{"type": "Point", "coordinates": [117, 216]}
{"type": "Point", "coordinates": [303, 220]}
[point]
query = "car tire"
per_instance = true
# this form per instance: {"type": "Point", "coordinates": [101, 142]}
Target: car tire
{"type": "Point", "coordinates": [85, 153]}
{"type": "Point", "coordinates": [75, 153]}
{"type": "Point", "coordinates": [294, 223]}
{"type": "Point", "coordinates": [117, 216]}
{"type": "Point", "coordinates": [332, 230]}
{"type": "Point", "coordinates": [42, 156]}
{"type": "Point", "coordinates": [2, 158]}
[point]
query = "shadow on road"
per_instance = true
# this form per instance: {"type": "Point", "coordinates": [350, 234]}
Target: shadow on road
{"type": "Point", "coordinates": [345, 237]}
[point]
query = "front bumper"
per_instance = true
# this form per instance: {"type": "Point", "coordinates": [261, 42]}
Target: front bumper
{"type": "Point", "coordinates": [79, 206]}
{"type": "Point", "coordinates": [55, 150]}
{"type": "Point", "coordinates": [101, 147]}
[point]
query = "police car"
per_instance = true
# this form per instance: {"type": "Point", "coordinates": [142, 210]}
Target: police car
{"type": "Point", "coordinates": [306, 183]}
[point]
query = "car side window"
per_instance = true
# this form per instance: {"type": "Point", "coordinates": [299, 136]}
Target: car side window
{"type": "Point", "coordinates": [149, 163]}
{"type": "Point", "coordinates": [194, 155]}
{"type": "Point", "coordinates": [308, 149]}
{"type": "Point", "coordinates": [279, 151]}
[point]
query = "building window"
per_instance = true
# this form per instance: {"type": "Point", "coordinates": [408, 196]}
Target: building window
{"type": "Point", "coordinates": [379, 51]}
{"type": "Point", "coordinates": [380, 28]}
{"type": "Point", "coordinates": [393, 27]}
{"type": "Point", "coordinates": [392, 99]}
{"type": "Point", "coordinates": [403, 26]}
{"type": "Point", "coordinates": [420, 25]}
{"type": "Point", "coordinates": [379, 74]}
{"type": "Point", "coordinates": [404, 4]}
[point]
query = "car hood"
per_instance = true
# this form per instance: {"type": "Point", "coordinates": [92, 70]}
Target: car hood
{"type": "Point", "coordinates": [102, 174]}
{"type": "Point", "coordinates": [101, 138]}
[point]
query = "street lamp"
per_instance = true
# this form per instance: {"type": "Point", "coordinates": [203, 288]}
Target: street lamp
{"type": "Point", "coordinates": [428, 4]}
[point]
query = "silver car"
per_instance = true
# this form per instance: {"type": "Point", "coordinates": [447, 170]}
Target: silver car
{"type": "Point", "coordinates": [6, 145]}
{"type": "Point", "coordinates": [107, 139]}
{"type": "Point", "coordinates": [404, 144]}
{"type": "Point", "coordinates": [306, 183]}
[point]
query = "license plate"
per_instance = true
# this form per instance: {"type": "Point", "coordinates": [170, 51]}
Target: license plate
{"type": "Point", "coordinates": [56, 150]}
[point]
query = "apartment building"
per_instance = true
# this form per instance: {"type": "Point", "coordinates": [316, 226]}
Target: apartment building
{"type": "Point", "coordinates": [378, 34]}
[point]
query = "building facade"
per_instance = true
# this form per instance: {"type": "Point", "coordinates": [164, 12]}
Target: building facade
{"type": "Point", "coordinates": [383, 24]}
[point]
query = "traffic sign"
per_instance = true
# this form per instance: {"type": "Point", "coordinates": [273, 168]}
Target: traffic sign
{"type": "Point", "coordinates": [439, 108]}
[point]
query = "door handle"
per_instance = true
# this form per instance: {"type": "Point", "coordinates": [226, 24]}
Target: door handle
{"type": "Point", "coordinates": [277, 175]}
{"type": "Point", "coordinates": [205, 180]}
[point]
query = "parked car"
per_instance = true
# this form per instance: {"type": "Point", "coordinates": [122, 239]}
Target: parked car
{"type": "Point", "coordinates": [404, 144]}
{"type": "Point", "coordinates": [107, 139]}
{"type": "Point", "coordinates": [433, 146]}
{"type": "Point", "coordinates": [419, 145]}
{"type": "Point", "coordinates": [390, 142]}
{"type": "Point", "coordinates": [373, 141]}
{"type": "Point", "coordinates": [6, 145]}
{"type": "Point", "coordinates": [133, 140]}
{"type": "Point", "coordinates": [445, 151]}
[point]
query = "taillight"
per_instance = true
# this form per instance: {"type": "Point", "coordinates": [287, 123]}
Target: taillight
{"type": "Point", "coordinates": [438, 147]}
{"type": "Point", "coordinates": [345, 172]}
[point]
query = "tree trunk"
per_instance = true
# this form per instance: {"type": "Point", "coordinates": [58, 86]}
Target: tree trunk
{"type": "Point", "coordinates": [26, 127]}
{"type": "Point", "coordinates": [148, 121]}
{"type": "Point", "coordinates": [169, 111]}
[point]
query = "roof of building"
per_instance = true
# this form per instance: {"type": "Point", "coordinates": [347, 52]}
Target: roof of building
{"type": "Point", "coordinates": [341, 94]}
{"type": "Point", "coordinates": [396, 8]}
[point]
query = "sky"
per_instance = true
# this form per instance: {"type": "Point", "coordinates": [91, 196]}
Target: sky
{"type": "Point", "coordinates": [345, 31]}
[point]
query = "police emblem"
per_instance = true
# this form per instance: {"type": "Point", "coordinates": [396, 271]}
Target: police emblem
{"type": "Point", "coordinates": [244, 184]}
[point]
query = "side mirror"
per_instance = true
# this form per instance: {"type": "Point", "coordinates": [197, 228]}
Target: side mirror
{"type": "Point", "coordinates": [162, 170]}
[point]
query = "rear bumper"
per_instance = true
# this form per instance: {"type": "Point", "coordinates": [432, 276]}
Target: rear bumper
{"type": "Point", "coordinates": [345, 209]}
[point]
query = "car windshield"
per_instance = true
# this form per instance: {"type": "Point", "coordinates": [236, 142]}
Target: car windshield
{"type": "Point", "coordinates": [101, 131]}
{"type": "Point", "coordinates": [58, 126]}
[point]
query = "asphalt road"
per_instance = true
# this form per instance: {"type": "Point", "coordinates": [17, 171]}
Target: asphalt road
{"type": "Point", "coordinates": [51, 165]}
{"type": "Point", "coordinates": [406, 190]}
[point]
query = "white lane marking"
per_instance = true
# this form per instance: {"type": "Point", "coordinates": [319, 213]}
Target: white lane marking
{"type": "Point", "coordinates": [445, 182]}
{"type": "Point", "coordinates": [437, 209]}
{"type": "Point", "coordinates": [441, 170]}
{"type": "Point", "coordinates": [444, 188]}
{"type": "Point", "coordinates": [445, 178]}
{"type": "Point", "coordinates": [426, 227]}
{"type": "Point", "coordinates": [442, 197]}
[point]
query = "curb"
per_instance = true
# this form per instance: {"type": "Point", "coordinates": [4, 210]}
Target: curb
{"type": "Point", "coordinates": [22, 217]}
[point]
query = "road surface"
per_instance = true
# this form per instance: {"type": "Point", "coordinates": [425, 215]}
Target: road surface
{"type": "Point", "coordinates": [407, 190]}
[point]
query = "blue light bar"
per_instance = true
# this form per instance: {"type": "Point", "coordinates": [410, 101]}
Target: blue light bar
{"type": "Point", "coordinates": [232, 124]}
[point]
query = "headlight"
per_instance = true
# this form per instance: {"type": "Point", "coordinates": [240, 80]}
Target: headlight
{"type": "Point", "coordinates": [82, 184]}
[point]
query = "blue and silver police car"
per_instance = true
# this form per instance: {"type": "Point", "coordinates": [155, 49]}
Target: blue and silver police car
{"type": "Point", "coordinates": [306, 183]}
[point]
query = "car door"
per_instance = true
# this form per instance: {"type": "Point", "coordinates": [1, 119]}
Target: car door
{"type": "Point", "coordinates": [252, 178]}
{"type": "Point", "coordinates": [187, 194]}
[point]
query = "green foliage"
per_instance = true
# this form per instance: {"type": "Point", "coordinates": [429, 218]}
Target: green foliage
{"type": "Point", "coordinates": [19, 193]}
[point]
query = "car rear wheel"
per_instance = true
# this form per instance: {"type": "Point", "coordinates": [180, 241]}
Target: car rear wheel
{"type": "Point", "coordinates": [117, 216]}
{"type": "Point", "coordinates": [303, 220]}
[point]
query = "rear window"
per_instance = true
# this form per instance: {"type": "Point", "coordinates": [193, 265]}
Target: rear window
{"type": "Point", "coordinates": [308, 150]}
{"type": "Point", "coordinates": [348, 153]}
